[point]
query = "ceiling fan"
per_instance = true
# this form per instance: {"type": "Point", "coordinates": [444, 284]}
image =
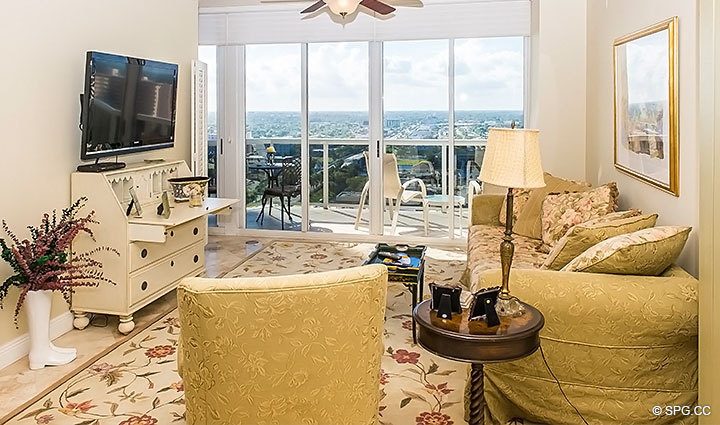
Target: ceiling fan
{"type": "Point", "coordinates": [348, 7]}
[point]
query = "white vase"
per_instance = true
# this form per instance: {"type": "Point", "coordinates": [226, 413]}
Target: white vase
{"type": "Point", "coordinates": [42, 351]}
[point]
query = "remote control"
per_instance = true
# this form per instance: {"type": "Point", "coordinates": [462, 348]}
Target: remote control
{"type": "Point", "coordinates": [390, 255]}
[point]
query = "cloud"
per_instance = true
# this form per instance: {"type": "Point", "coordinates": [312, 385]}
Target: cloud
{"type": "Point", "coordinates": [489, 75]}
{"type": "Point", "coordinates": [492, 74]}
{"type": "Point", "coordinates": [647, 60]}
{"type": "Point", "coordinates": [338, 76]}
{"type": "Point", "coordinates": [273, 77]}
{"type": "Point", "coordinates": [416, 75]}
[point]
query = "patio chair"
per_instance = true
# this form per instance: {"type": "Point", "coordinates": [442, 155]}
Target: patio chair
{"type": "Point", "coordinates": [395, 192]}
{"type": "Point", "coordinates": [288, 187]}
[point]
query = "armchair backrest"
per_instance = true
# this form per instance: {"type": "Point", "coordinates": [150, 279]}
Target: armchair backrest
{"type": "Point", "coordinates": [284, 349]}
{"type": "Point", "coordinates": [392, 185]}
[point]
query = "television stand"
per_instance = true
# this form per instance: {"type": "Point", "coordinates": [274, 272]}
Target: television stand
{"type": "Point", "coordinates": [100, 167]}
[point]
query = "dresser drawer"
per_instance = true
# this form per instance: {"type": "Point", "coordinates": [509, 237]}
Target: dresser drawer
{"type": "Point", "coordinates": [178, 237]}
{"type": "Point", "coordinates": [159, 276]}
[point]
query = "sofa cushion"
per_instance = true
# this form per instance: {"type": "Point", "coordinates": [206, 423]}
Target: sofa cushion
{"type": "Point", "coordinates": [560, 212]}
{"type": "Point", "coordinates": [529, 221]}
{"type": "Point", "coordinates": [646, 252]}
{"type": "Point", "coordinates": [520, 198]}
{"type": "Point", "coordinates": [484, 251]}
{"type": "Point", "coordinates": [585, 235]}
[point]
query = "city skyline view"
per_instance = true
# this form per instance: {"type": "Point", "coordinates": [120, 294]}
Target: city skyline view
{"type": "Point", "coordinates": [398, 125]}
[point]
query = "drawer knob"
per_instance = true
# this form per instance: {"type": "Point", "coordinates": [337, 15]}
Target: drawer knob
{"type": "Point", "coordinates": [196, 231]}
{"type": "Point", "coordinates": [172, 233]}
{"type": "Point", "coordinates": [172, 264]}
{"type": "Point", "coordinates": [144, 253]}
{"type": "Point", "coordinates": [144, 285]}
{"type": "Point", "coordinates": [196, 259]}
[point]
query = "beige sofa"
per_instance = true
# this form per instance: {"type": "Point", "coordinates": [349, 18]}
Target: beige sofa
{"type": "Point", "coordinates": [618, 344]}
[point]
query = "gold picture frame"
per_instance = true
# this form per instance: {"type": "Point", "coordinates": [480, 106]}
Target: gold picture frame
{"type": "Point", "coordinates": [645, 67]}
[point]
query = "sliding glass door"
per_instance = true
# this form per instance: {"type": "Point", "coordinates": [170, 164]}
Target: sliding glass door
{"type": "Point", "coordinates": [416, 133]}
{"type": "Point", "coordinates": [339, 137]}
{"type": "Point", "coordinates": [273, 198]}
{"type": "Point", "coordinates": [489, 92]}
{"type": "Point", "coordinates": [362, 138]}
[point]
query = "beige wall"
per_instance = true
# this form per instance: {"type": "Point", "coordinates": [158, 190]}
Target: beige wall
{"type": "Point", "coordinates": [608, 20]}
{"type": "Point", "coordinates": [709, 145]}
{"type": "Point", "coordinates": [43, 55]}
{"type": "Point", "coordinates": [558, 84]}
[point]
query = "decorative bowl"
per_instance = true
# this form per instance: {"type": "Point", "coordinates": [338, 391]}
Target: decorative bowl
{"type": "Point", "coordinates": [183, 187]}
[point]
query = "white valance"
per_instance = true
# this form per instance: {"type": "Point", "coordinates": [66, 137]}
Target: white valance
{"type": "Point", "coordinates": [436, 20]}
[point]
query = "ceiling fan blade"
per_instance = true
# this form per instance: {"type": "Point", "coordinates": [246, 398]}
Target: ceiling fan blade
{"type": "Point", "coordinates": [378, 6]}
{"type": "Point", "coordinates": [405, 3]}
{"type": "Point", "coordinates": [314, 7]}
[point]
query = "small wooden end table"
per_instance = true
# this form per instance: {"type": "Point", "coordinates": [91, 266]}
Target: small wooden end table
{"type": "Point", "coordinates": [474, 342]}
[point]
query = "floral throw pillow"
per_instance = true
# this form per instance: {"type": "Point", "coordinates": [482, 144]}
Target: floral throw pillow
{"type": "Point", "coordinates": [560, 212]}
{"type": "Point", "coordinates": [647, 252]}
{"type": "Point", "coordinates": [520, 198]}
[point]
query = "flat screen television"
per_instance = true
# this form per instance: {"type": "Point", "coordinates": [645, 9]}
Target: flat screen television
{"type": "Point", "coordinates": [128, 105]}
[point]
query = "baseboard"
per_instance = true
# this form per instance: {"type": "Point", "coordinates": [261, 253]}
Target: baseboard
{"type": "Point", "coordinates": [20, 346]}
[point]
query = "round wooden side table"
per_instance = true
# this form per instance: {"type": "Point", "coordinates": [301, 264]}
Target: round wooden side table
{"type": "Point", "coordinates": [474, 342]}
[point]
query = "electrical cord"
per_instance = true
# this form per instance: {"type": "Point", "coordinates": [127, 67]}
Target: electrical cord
{"type": "Point", "coordinates": [557, 381]}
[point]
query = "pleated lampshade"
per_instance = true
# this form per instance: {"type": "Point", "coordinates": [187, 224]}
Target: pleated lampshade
{"type": "Point", "coordinates": [512, 159]}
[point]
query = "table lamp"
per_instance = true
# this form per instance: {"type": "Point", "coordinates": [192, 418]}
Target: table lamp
{"type": "Point", "coordinates": [512, 160]}
{"type": "Point", "coordinates": [270, 151]}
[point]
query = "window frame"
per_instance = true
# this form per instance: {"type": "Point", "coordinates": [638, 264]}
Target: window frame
{"type": "Point", "coordinates": [232, 125]}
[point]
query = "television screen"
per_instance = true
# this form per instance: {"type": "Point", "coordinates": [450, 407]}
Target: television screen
{"type": "Point", "coordinates": [128, 106]}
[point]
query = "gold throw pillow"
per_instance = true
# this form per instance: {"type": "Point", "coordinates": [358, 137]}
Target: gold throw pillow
{"type": "Point", "coordinates": [647, 252]}
{"type": "Point", "coordinates": [529, 220]}
{"type": "Point", "coordinates": [583, 236]}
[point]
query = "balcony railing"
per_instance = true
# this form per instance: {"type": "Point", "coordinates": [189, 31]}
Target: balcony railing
{"type": "Point", "coordinates": [338, 170]}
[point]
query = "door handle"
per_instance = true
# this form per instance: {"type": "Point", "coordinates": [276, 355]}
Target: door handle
{"type": "Point", "coordinates": [378, 149]}
{"type": "Point", "coordinates": [221, 146]}
{"type": "Point", "coordinates": [447, 165]}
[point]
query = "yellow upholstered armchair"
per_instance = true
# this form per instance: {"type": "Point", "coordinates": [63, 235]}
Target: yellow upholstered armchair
{"type": "Point", "coordinates": [284, 350]}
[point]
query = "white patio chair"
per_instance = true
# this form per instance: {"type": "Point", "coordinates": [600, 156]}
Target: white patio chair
{"type": "Point", "coordinates": [396, 193]}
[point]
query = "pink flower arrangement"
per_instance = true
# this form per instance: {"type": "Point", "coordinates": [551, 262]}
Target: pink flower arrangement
{"type": "Point", "coordinates": [44, 262]}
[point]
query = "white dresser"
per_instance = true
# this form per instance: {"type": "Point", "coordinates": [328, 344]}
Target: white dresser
{"type": "Point", "coordinates": [155, 252]}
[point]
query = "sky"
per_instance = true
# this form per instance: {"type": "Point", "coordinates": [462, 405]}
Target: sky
{"type": "Point", "coordinates": [488, 75]}
{"type": "Point", "coordinates": [647, 65]}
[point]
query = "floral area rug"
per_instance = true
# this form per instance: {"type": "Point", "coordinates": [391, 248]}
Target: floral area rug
{"type": "Point", "coordinates": [137, 382]}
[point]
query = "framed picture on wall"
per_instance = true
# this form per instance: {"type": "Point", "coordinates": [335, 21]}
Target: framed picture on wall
{"type": "Point", "coordinates": [646, 105]}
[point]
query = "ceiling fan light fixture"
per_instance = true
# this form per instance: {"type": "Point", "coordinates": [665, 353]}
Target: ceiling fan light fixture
{"type": "Point", "coordinates": [343, 7]}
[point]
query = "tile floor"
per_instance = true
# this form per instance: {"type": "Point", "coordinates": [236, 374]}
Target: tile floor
{"type": "Point", "coordinates": [342, 220]}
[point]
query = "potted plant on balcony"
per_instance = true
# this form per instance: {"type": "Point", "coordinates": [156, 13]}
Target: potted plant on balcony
{"type": "Point", "coordinates": [43, 264]}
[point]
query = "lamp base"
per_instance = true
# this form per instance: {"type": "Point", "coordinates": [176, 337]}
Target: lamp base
{"type": "Point", "coordinates": [509, 307]}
